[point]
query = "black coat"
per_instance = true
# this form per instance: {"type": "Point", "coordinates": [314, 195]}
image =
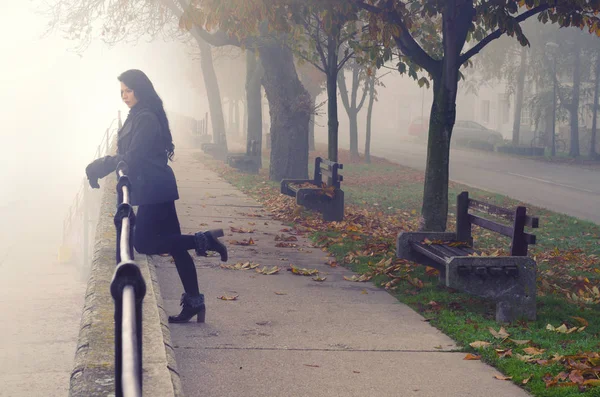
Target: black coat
{"type": "Point", "coordinates": [141, 144]}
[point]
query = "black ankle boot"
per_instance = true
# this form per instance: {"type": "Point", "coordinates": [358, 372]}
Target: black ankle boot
{"type": "Point", "coordinates": [208, 241]}
{"type": "Point", "coordinates": [191, 306]}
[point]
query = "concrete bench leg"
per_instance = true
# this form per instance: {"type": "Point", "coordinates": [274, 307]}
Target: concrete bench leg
{"type": "Point", "coordinates": [333, 210]}
{"type": "Point", "coordinates": [494, 278]}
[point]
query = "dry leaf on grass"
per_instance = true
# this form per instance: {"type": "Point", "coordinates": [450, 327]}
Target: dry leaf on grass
{"type": "Point", "coordinates": [470, 356]}
{"type": "Point", "coordinates": [501, 334]}
{"type": "Point", "coordinates": [479, 344]}
{"type": "Point", "coordinates": [532, 351]}
{"type": "Point", "coordinates": [362, 278]}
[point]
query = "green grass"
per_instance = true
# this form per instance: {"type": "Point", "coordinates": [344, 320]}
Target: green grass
{"type": "Point", "coordinates": [387, 189]}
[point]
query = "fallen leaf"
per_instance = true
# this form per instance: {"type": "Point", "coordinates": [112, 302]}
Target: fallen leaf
{"type": "Point", "coordinates": [356, 372]}
{"type": "Point", "coordinates": [319, 278]}
{"type": "Point", "coordinates": [470, 356]}
{"type": "Point", "coordinates": [479, 344]}
{"type": "Point", "coordinates": [241, 230]}
{"type": "Point", "coordinates": [526, 380]}
{"type": "Point", "coordinates": [268, 271]}
{"type": "Point", "coordinates": [501, 334]}
{"type": "Point", "coordinates": [243, 242]}
{"type": "Point", "coordinates": [502, 377]}
{"type": "Point", "coordinates": [303, 271]}
{"type": "Point", "coordinates": [503, 353]}
{"type": "Point", "coordinates": [284, 244]}
{"type": "Point", "coordinates": [361, 278]}
{"type": "Point", "coordinates": [364, 292]}
{"type": "Point", "coordinates": [228, 298]}
{"type": "Point", "coordinates": [311, 365]}
{"type": "Point", "coordinates": [520, 342]}
{"type": "Point", "coordinates": [533, 351]}
{"type": "Point", "coordinates": [240, 266]}
{"type": "Point", "coordinates": [282, 237]}
{"type": "Point", "coordinates": [280, 293]}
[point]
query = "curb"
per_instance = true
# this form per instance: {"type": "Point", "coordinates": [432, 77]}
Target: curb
{"type": "Point", "coordinates": [93, 369]}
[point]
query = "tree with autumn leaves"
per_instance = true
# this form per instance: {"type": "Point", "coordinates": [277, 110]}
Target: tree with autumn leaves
{"type": "Point", "coordinates": [462, 28]}
{"type": "Point", "coordinates": [434, 38]}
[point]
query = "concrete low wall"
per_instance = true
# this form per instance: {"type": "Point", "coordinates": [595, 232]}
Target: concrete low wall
{"type": "Point", "coordinates": [93, 371]}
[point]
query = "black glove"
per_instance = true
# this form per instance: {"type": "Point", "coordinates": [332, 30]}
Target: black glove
{"type": "Point", "coordinates": [94, 183]}
{"type": "Point", "coordinates": [101, 167]}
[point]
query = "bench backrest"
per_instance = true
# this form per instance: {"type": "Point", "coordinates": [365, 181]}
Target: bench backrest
{"type": "Point", "coordinates": [519, 218]}
{"type": "Point", "coordinates": [327, 171]}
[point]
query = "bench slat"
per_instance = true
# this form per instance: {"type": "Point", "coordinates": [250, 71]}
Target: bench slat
{"type": "Point", "coordinates": [498, 228]}
{"type": "Point", "coordinates": [505, 213]}
{"type": "Point", "coordinates": [431, 252]}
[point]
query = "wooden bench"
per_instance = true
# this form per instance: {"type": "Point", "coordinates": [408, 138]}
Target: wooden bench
{"type": "Point", "coordinates": [216, 150]}
{"type": "Point", "coordinates": [508, 280]}
{"type": "Point", "coordinates": [322, 193]}
{"type": "Point", "coordinates": [246, 162]}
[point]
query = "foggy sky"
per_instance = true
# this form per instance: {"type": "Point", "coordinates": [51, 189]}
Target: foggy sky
{"type": "Point", "coordinates": [55, 106]}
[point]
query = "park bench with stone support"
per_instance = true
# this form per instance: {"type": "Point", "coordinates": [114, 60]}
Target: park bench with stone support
{"type": "Point", "coordinates": [322, 193]}
{"type": "Point", "coordinates": [508, 280]}
{"type": "Point", "coordinates": [246, 162]}
{"type": "Point", "coordinates": [216, 150]}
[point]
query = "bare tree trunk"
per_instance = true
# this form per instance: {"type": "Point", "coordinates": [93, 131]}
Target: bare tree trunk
{"type": "Point", "coordinates": [254, 74]}
{"type": "Point", "coordinates": [289, 107]}
{"type": "Point", "coordinates": [332, 113]}
{"type": "Point", "coordinates": [369, 118]}
{"type": "Point", "coordinates": [213, 93]}
{"type": "Point", "coordinates": [311, 126]}
{"type": "Point", "coordinates": [593, 153]}
{"type": "Point", "coordinates": [455, 21]}
{"type": "Point", "coordinates": [574, 111]}
{"type": "Point", "coordinates": [516, 140]}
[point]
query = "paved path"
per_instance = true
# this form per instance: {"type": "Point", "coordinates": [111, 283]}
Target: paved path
{"type": "Point", "coordinates": [288, 335]}
{"type": "Point", "coordinates": [558, 187]}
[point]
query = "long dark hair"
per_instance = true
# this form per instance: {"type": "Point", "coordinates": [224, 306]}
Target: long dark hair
{"type": "Point", "coordinates": [147, 97]}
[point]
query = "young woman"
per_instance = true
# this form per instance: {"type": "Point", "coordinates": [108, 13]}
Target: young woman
{"type": "Point", "coordinates": [145, 144]}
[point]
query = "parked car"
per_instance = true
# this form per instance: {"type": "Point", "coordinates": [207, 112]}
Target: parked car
{"type": "Point", "coordinates": [469, 130]}
{"type": "Point", "coordinates": [418, 127]}
{"type": "Point", "coordinates": [464, 130]}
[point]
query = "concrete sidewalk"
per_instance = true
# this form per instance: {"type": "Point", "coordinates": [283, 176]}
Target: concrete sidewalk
{"type": "Point", "coordinates": [287, 335]}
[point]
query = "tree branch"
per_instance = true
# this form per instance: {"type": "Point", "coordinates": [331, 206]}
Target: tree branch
{"type": "Point", "coordinates": [405, 41]}
{"type": "Point", "coordinates": [499, 32]}
{"type": "Point", "coordinates": [344, 91]}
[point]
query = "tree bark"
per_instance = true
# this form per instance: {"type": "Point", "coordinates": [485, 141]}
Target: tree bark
{"type": "Point", "coordinates": [352, 105]}
{"type": "Point", "coordinates": [574, 109]}
{"type": "Point", "coordinates": [455, 23]}
{"type": "Point", "coordinates": [369, 118]}
{"type": "Point", "coordinates": [254, 74]}
{"type": "Point", "coordinates": [516, 140]}
{"type": "Point", "coordinates": [593, 153]}
{"type": "Point", "coordinates": [213, 93]}
{"type": "Point", "coordinates": [289, 106]}
{"type": "Point", "coordinates": [332, 113]}
{"type": "Point", "coordinates": [311, 125]}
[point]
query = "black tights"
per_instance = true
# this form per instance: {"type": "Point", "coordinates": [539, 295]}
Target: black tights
{"type": "Point", "coordinates": [157, 231]}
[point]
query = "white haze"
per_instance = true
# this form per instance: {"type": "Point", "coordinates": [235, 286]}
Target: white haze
{"type": "Point", "coordinates": [54, 108]}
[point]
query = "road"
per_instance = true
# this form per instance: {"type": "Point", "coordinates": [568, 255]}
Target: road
{"type": "Point", "coordinates": [567, 189]}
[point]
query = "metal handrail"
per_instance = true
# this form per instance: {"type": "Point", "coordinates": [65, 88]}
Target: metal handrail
{"type": "Point", "coordinates": [128, 290]}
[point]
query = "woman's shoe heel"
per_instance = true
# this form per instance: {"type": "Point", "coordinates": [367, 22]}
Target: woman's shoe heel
{"type": "Point", "coordinates": [201, 316]}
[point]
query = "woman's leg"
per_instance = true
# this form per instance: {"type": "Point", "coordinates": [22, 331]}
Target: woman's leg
{"type": "Point", "coordinates": [157, 231]}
